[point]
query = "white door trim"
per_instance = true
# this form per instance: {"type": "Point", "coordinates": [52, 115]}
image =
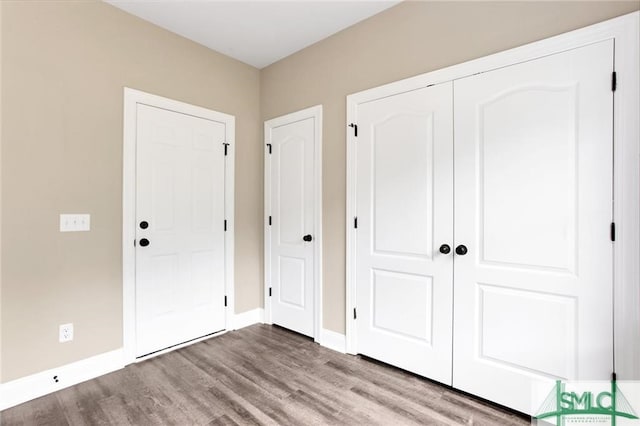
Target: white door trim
{"type": "Point", "coordinates": [133, 97]}
{"type": "Point", "coordinates": [625, 30]}
{"type": "Point", "coordinates": [316, 113]}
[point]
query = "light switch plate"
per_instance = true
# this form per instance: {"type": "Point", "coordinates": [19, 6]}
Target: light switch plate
{"type": "Point", "coordinates": [75, 222]}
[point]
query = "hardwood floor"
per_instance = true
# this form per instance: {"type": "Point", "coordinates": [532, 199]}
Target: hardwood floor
{"type": "Point", "coordinates": [258, 375]}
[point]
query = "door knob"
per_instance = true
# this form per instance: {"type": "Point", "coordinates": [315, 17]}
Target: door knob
{"type": "Point", "coordinates": [445, 249]}
{"type": "Point", "coordinates": [461, 250]}
{"type": "Point", "coordinates": [144, 224]}
{"type": "Point", "coordinates": [144, 242]}
{"type": "Point", "coordinates": [307, 237]}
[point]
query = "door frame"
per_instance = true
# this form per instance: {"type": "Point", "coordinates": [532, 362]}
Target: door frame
{"type": "Point", "coordinates": [314, 112]}
{"type": "Point", "coordinates": [625, 31]}
{"type": "Point", "coordinates": [132, 97]}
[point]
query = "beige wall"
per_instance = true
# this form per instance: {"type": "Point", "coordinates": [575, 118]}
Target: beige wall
{"type": "Point", "coordinates": [409, 39]}
{"type": "Point", "coordinates": [64, 66]}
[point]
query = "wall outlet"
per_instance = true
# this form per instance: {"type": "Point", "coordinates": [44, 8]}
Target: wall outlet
{"type": "Point", "coordinates": [75, 222]}
{"type": "Point", "coordinates": [66, 333]}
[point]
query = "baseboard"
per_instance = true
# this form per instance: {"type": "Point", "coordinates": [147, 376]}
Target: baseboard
{"type": "Point", "coordinates": [245, 319]}
{"type": "Point", "coordinates": [36, 385]}
{"type": "Point", "coordinates": [332, 340]}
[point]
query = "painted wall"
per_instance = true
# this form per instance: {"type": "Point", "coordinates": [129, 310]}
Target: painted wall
{"type": "Point", "coordinates": [409, 39]}
{"type": "Point", "coordinates": [64, 66]}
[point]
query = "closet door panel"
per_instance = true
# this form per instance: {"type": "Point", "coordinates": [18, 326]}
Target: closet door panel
{"type": "Point", "coordinates": [405, 213]}
{"type": "Point", "coordinates": [533, 197]}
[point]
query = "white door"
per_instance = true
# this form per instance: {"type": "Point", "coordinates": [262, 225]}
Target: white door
{"type": "Point", "coordinates": [292, 208]}
{"type": "Point", "coordinates": [404, 215]}
{"type": "Point", "coordinates": [533, 198]}
{"type": "Point", "coordinates": [180, 225]}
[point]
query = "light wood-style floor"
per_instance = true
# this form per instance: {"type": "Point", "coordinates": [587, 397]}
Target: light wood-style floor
{"type": "Point", "coordinates": [258, 375]}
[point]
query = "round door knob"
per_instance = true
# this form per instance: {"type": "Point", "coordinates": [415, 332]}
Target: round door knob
{"type": "Point", "coordinates": [144, 242]}
{"type": "Point", "coordinates": [461, 250]}
{"type": "Point", "coordinates": [307, 237]}
{"type": "Point", "coordinates": [445, 249]}
{"type": "Point", "coordinates": [144, 224]}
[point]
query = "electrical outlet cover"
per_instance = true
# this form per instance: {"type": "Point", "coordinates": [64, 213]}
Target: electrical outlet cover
{"type": "Point", "coordinates": [66, 333]}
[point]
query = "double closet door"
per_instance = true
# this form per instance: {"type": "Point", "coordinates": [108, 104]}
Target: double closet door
{"type": "Point", "coordinates": [483, 250]}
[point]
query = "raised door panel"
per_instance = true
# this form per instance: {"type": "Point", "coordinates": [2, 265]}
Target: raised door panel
{"type": "Point", "coordinates": [527, 171]}
{"type": "Point", "coordinates": [402, 185]}
{"type": "Point", "coordinates": [414, 293]}
{"type": "Point", "coordinates": [292, 282]}
{"type": "Point", "coordinates": [290, 162]}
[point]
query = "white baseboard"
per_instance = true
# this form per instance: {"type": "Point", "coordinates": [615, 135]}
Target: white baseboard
{"type": "Point", "coordinates": [329, 339]}
{"type": "Point", "coordinates": [332, 340]}
{"type": "Point", "coordinates": [245, 319]}
{"type": "Point", "coordinates": [36, 385]}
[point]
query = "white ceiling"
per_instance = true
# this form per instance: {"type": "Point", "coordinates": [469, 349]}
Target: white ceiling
{"type": "Point", "coordinates": [258, 33]}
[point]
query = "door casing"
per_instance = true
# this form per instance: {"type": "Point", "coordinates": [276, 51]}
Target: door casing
{"type": "Point", "coordinates": [314, 112]}
{"type": "Point", "coordinates": [625, 31]}
{"type": "Point", "coordinates": [132, 97]}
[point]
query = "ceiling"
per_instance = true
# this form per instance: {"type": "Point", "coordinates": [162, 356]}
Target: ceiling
{"type": "Point", "coordinates": [258, 33]}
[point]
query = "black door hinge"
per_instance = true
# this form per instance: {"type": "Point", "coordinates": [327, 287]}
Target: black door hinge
{"type": "Point", "coordinates": [225, 225]}
{"type": "Point", "coordinates": [269, 220]}
{"type": "Point", "coordinates": [614, 81]}
{"type": "Point", "coordinates": [269, 291]}
{"type": "Point", "coordinates": [134, 243]}
{"type": "Point", "coordinates": [225, 301]}
{"type": "Point", "coordinates": [269, 146]}
{"type": "Point", "coordinates": [613, 231]}
{"type": "Point", "coordinates": [226, 145]}
{"type": "Point", "coordinates": [355, 315]}
{"type": "Point", "coordinates": [355, 129]}
{"type": "Point", "coordinates": [355, 222]}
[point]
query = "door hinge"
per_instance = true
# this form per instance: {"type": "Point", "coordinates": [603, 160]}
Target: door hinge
{"type": "Point", "coordinates": [269, 291]}
{"type": "Point", "coordinates": [226, 145]}
{"type": "Point", "coordinates": [269, 146]}
{"type": "Point", "coordinates": [134, 243]}
{"type": "Point", "coordinates": [613, 231]}
{"type": "Point", "coordinates": [225, 225]}
{"type": "Point", "coordinates": [614, 81]}
{"type": "Point", "coordinates": [355, 129]}
{"type": "Point", "coordinates": [355, 222]}
{"type": "Point", "coordinates": [269, 220]}
{"type": "Point", "coordinates": [225, 301]}
{"type": "Point", "coordinates": [355, 315]}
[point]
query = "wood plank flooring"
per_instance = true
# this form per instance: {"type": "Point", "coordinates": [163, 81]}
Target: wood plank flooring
{"type": "Point", "coordinates": [260, 375]}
